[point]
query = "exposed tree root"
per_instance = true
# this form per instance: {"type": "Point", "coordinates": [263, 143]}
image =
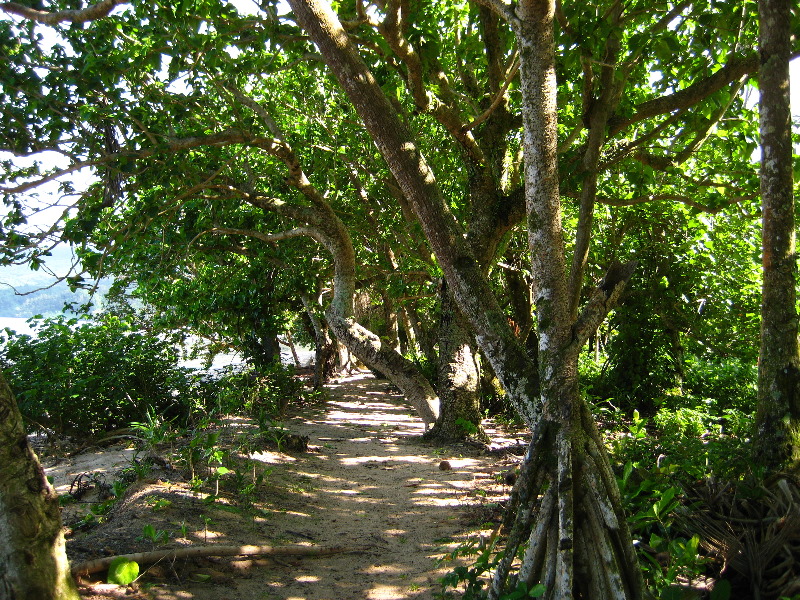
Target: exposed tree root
{"type": "Point", "coordinates": [567, 507]}
{"type": "Point", "coordinates": [101, 564]}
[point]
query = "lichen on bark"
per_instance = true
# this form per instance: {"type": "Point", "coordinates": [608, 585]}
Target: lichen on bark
{"type": "Point", "coordinates": [33, 560]}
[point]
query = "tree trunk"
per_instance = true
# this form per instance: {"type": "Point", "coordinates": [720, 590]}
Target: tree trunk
{"type": "Point", "coordinates": [459, 409]}
{"type": "Point", "coordinates": [33, 560]}
{"type": "Point", "coordinates": [324, 346]}
{"type": "Point", "coordinates": [364, 344]}
{"type": "Point", "coordinates": [292, 349]}
{"type": "Point", "coordinates": [377, 355]}
{"type": "Point", "coordinates": [566, 502]}
{"type": "Point", "coordinates": [326, 228]}
{"type": "Point", "coordinates": [581, 545]}
{"type": "Point", "coordinates": [777, 442]}
{"type": "Point", "coordinates": [465, 278]}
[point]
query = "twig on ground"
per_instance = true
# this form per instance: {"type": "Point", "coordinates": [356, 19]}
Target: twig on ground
{"type": "Point", "coordinates": [101, 564]}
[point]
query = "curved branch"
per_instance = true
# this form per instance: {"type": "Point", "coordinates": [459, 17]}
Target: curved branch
{"type": "Point", "coordinates": [90, 13]}
{"type": "Point", "coordinates": [497, 99]}
{"type": "Point", "coordinates": [264, 237]}
{"type": "Point", "coordinates": [689, 96]}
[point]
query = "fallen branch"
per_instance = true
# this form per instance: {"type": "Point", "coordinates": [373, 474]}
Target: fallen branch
{"type": "Point", "coordinates": [101, 564]}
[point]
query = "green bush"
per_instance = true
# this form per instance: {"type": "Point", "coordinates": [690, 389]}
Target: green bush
{"type": "Point", "coordinates": [681, 421]}
{"type": "Point", "coordinates": [258, 392]}
{"type": "Point", "coordinates": [85, 377]}
{"type": "Point", "coordinates": [728, 384]}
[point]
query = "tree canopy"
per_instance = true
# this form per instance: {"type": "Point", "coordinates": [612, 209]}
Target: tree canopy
{"type": "Point", "coordinates": [523, 161]}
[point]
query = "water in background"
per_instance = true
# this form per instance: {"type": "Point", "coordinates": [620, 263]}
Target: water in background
{"type": "Point", "coordinates": [17, 324]}
{"type": "Point", "coordinates": [305, 355]}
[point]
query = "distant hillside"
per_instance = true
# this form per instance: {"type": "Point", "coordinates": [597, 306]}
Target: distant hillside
{"type": "Point", "coordinates": [43, 302]}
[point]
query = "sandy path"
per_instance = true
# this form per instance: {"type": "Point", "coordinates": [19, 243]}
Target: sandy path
{"type": "Point", "coordinates": [375, 485]}
{"type": "Point", "coordinates": [369, 483]}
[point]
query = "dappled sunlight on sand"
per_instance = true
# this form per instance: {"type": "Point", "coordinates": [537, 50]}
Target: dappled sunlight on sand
{"type": "Point", "coordinates": [369, 484]}
{"type": "Point", "coordinates": [386, 592]}
{"type": "Point", "coordinates": [273, 458]}
{"type": "Point", "coordinates": [381, 460]}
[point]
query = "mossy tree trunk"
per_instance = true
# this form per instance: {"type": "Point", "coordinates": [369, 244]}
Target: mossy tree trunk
{"type": "Point", "coordinates": [33, 560]}
{"type": "Point", "coordinates": [777, 442]}
{"type": "Point", "coordinates": [459, 409]}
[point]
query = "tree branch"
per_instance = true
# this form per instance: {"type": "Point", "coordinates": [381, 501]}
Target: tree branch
{"type": "Point", "coordinates": [264, 237]}
{"type": "Point", "coordinates": [503, 9]}
{"type": "Point", "coordinates": [687, 97]}
{"type": "Point", "coordinates": [257, 108]}
{"type": "Point", "coordinates": [90, 13]}
{"type": "Point", "coordinates": [227, 137]}
{"type": "Point", "coordinates": [24, 187]}
{"type": "Point", "coordinates": [101, 564]}
{"type": "Point", "coordinates": [497, 99]}
{"type": "Point", "coordinates": [603, 300]}
{"type": "Point", "coordinates": [444, 109]}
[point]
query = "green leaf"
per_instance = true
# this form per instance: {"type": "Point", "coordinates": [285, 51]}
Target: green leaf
{"type": "Point", "coordinates": [665, 504]}
{"type": "Point", "coordinates": [672, 593]}
{"type": "Point", "coordinates": [537, 591]}
{"type": "Point", "coordinates": [123, 571]}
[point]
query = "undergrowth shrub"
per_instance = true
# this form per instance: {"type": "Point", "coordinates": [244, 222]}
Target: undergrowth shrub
{"type": "Point", "coordinates": [661, 458]}
{"type": "Point", "coordinates": [681, 421]}
{"type": "Point", "coordinates": [83, 377]}
{"type": "Point", "coordinates": [259, 392]}
{"type": "Point", "coordinates": [731, 384]}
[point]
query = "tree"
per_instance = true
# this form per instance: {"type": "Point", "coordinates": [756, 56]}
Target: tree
{"type": "Point", "coordinates": [778, 416]}
{"type": "Point", "coordinates": [564, 431]}
{"type": "Point", "coordinates": [624, 141]}
{"type": "Point", "coordinates": [33, 562]}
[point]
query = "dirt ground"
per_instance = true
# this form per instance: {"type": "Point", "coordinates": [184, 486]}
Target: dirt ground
{"type": "Point", "coordinates": [368, 485]}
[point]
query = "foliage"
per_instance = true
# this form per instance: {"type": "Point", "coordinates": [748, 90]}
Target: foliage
{"type": "Point", "coordinates": [260, 392]}
{"type": "Point", "coordinates": [680, 422]}
{"type": "Point", "coordinates": [83, 377]}
{"type": "Point", "coordinates": [123, 571]}
{"type": "Point", "coordinates": [730, 384]}
{"type": "Point", "coordinates": [155, 430]}
{"type": "Point", "coordinates": [191, 121]}
{"type": "Point", "coordinates": [473, 576]}
{"type": "Point", "coordinates": [690, 441]}
{"type": "Point", "coordinates": [685, 446]}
